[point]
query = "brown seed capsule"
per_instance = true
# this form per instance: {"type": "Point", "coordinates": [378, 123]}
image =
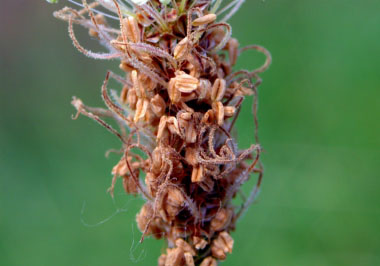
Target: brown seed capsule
{"type": "Point", "coordinates": [191, 133]}
{"type": "Point", "coordinates": [204, 89]}
{"type": "Point", "coordinates": [131, 29]}
{"type": "Point", "coordinates": [199, 243]}
{"type": "Point", "coordinates": [208, 117]}
{"type": "Point", "coordinates": [144, 216]}
{"type": "Point", "coordinates": [180, 243]}
{"type": "Point", "coordinates": [207, 19]}
{"type": "Point", "coordinates": [129, 185]}
{"type": "Point", "coordinates": [174, 94]}
{"type": "Point", "coordinates": [147, 83]}
{"type": "Point", "coordinates": [229, 111]}
{"type": "Point", "coordinates": [175, 257]}
{"type": "Point", "coordinates": [172, 125]}
{"type": "Point", "coordinates": [161, 127]}
{"type": "Point", "coordinates": [207, 184]}
{"type": "Point", "coordinates": [121, 168]}
{"type": "Point", "coordinates": [125, 67]}
{"type": "Point", "coordinates": [140, 92]}
{"type": "Point", "coordinates": [174, 202]}
{"type": "Point", "coordinates": [185, 83]}
{"type": "Point", "coordinates": [181, 49]}
{"type": "Point", "coordinates": [218, 109]}
{"type": "Point", "coordinates": [189, 260]}
{"type": "Point", "coordinates": [221, 245]}
{"type": "Point", "coordinates": [218, 90]}
{"type": "Point", "coordinates": [156, 161]}
{"type": "Point", "coordinates": [197, 174]}
{"type": "Point", "coordinates": [141, 108]}
{"type": "Point", "coordinates": [132, 98]}
{"type": "Point", "coordinates": [158, 105]}
{"type": "Point", "coordinates": [190, 155]}
{"type": "Point", "coordinates": [150, 181]}
{"type": "Point", "coordinates": [209, 261]}
{"type": "Point", "coordinates": [221, 219]}
{"type": "Point", "coordinates": [162, 260]}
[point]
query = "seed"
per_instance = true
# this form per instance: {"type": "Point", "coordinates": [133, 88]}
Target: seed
{"type": "Point", "coordinates": [162, 259]}
{"type": "Point", "coordinates": [174, 94]}
{"type": "Point", "coordinates": [172, 124]}
{"type": "Point", "coordinates": [180, 243]}
{"type": "Point", "coordinates": [197, 174]}
{"type": "Point", "coordinates": [181, 49]}
{"type": "Point", "coordinates": [221, 245]}
{"type": "Point", "coordinates": [218, 90]}
{"type": "Point", "coordinates": [131, 29]}
{"type": "Point", "coordinates": [158, 105]}
{"type": "Point", "coordinates": [174, 202]}
{"type": "Point", "coordinates": [161, 127]}
{"type": "Point", "coordinates": [137, 84]}
{"type": "Point", "coordinates": [189, 259]}
{"type": "Point", "coordinates": [175, 257]}
{"type": "Point", "coordinates": [204, 89]}
{"type": "Point", "coordinates": [208, 117]}
{"type": "Point", "coordinates": [190, 155]}
{"type": "Point", "coordinates": [185, 82]}
{"type": "Point", "coordinates": [221, 219]}
{"type": "Point", "coordinates": [132, 98]}
{"type": "Point", "coordinates": [218, 109]}
{"type": "Point", "coordinates": [191, 133]}
{"type": "Point", "coordinates": [229, 111]}
{"type": "Point", "coordinates": [144, 216]}
{"type": "Point", "coordinates": [209, 261]}
{"type": "Point", "coordinates": [199, 243]}
{"type": "Point", "coordinates": [129, 185]}
{"type": "Point", "coordinates": [207, 19]}
{"type": "Point", "coordinates": [141, 108]}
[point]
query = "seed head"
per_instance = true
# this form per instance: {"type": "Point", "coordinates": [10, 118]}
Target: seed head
{"type": "Point", "coordinates": [179, 99]}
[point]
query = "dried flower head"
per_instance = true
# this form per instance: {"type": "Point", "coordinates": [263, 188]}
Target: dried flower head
{"type": "Point", "coordinates": [180, 97]}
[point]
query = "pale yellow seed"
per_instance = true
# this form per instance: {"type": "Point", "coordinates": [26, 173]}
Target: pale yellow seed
{"type": "Point", "coordinates": [137, 84]}
{"type": "Point", "coordinates": [141, 108]}
{"type": "Point", "coordinates": [161, 127]}
{"type": "Point", "coordinates": [209, 261]}
{"type": "Point", "coordinates": [207, 19]}
{"type": "Point", "coordinates": [204, 89]}
{"type": "Point", "coordinates": [218, 109]}
{"type": "Point", "coordinates": [132, 98]}
{"type": "Point", "coordinates": [229, 111]}
{"type": "Point", "coordinates": [174, 94]}
{"type": "Point", "coordinates": [181, 49]}
{"type": "Point", "coordinates": [172, 123]}
{"type": "Point", "coordinates": [218, 90]}
{"type": "Point", "coordinates": [180, 243]}
{"type": "Point", "coordinates": [158, 105]}
{"type": "Point", "coordinates": [185, 82]}
{"type": "Point", "coordinates": [197, 174]}
{"type": "Point", "coordinates": [174, 257]}
{"type": "Point", "coordinates": [131, 29]}
{"type": "Point", "coordinates": [191, 133]}
{"type": "Point", "coordinates": [189, 259]}
{"type": "Point", "coordinates": [199, 243]}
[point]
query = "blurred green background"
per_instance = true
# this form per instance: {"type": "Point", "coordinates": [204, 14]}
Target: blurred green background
{"type": "Point", "coordinates": [319, 115]}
